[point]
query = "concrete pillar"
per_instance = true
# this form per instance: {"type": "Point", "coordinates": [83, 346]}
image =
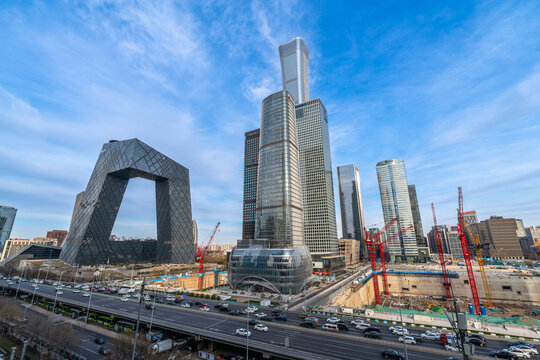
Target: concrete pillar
{"type": "Point", "coordinates": [13, 351]}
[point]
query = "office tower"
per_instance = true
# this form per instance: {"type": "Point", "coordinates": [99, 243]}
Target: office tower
{"type": "Point", "coordinates": [294, 57]}
{"type": "Point", "coordinates": [533, 232]}
{"type": "Point", "coordinates": [445, 237]}
{"type": "Point", "coordinates": [88, 241]}
{"type": "Point", "coordinates": [396, 204]}
{"type": "Point", "coordinates": [276, 259]}
{"type": "Point", "coordinates": [350, 199]}
{"type": "Point", "coordinates": [470, 217]}
{"type": "Point", "coordinates": [317, 184]}
{"type": "Point", "coordinates": [501, 236]}
{"type": "Point", "coordinates": [251, 165]}
{"type": "Point", "coordinates": [195, 235]}
{"type": "Point", "coordinates": [59, 235]}
{"type": "Point", "coordinates": [78, 199]}
{"type": "Point", "coordinates": [520, 229]}
{"type": "Point", "coordinates": [7, 218]}
{"type": "Point", "coordinates": [417, 220]}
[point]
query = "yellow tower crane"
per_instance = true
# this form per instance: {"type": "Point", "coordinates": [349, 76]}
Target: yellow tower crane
{"type": "Point", "coordinates": [478, 247]}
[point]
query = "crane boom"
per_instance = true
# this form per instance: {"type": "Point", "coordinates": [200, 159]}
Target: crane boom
{"type": "Point", "coordinates": [201, 253]}
{"type": "Point", "coordinates": [441, 255]}
{"type": "Point", "coordinates": [478, 247]}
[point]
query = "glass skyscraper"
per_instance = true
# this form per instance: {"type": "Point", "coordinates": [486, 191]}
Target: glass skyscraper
{"type": "Point", "coordinates": [417, 219]}
{"type": "Point", "coordinates": [7, 218]}
{"type": "Point", "coordinates": [294, 57]}
{"type": "Point", "coordinates": [251, 165]}
{"type": "Point", "coordinates": [350, 199]}
{"type": "Point", "coordinates": [396, 204]}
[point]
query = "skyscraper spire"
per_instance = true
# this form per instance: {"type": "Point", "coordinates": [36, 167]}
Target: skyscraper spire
{"type": "Point", "coordinates": [294, 57]}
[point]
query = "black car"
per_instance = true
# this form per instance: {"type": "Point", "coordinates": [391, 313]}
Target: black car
{"type": "Point", "coordinates": [477, 341]}
{"type": "Point", "coordinates": [235, 313]}
{"type": "Point", "coordinates": [342, 326]}
{"type": "Point", "coordinates": [373, 334]}
{"type": "Point", "coordinates": [150, 306]}
{"type": "Point", "coordinates": [253, 322]}
{"type": "Point", "coordinates": [519, 343]}
{"type": "Point", "coordinates": [307, 324]}
{"type": "Point", "coordinates": [392, 354]}
{"type": "Point", "coordinates": [224, 308]}
{"type": "Point", "coordinates": [276, 312]}
{"type": "Point", "coordinates": [503, 354]}
{"type": "Point", "coordinates": [218, 305]}
{"type": "Point", "coordinates": [178, 300]}
{"type": "Point", "coordinates": [99, 341]}
{"type": "Point", "coordinates": [266, 318]}
{"type": "Point", "coordinates": [371, 328]}
{"type": "Point", "coordinates": [281, 317]}
{"type": "Point", "coordinates": [198, 302]}
{"type": "Point", "coordinates": [104, 350]}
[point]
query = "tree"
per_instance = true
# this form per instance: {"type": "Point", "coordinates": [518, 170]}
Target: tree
{"type": "Point", "coordinates": [10, 314]}
{"type": "Point", "coordinates": [63, 337]}
{"type": "Point", "coordinates": [123, 346]}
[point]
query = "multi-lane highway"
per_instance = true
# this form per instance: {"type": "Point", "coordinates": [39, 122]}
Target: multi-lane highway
{"type": "Point", "coordinates": [302, 343]}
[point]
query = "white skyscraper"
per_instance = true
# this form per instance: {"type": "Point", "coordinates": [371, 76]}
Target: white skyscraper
{"type": "Point", "coordinates": [396, 203]}
{"type": "Point", "coordinates": [294, 57]}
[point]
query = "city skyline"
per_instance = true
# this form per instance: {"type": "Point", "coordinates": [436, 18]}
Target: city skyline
{"type": "Point", "coordinates": [458, 109]}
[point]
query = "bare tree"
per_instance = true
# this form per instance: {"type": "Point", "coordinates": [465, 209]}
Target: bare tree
{"type": "Point", "coordinates": [123, 347]}
{"type": "Point", "coordinates": [63, 337]}
{"type": "Point", "coordinates": [10, 314]}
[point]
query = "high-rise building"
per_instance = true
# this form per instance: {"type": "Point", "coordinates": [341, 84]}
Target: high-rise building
{"type": "Point", "coordinates": [320, 230]}
{"type": "Point", "coordinates": [251, 165]}
{"type": "Point", "coordinates": [277, 258]}
{"type": "Point", "coordinates": [396, 204]}
{"type": "Point", "coordinates": [294, 57]}
{"type": "Point", "coordinates": [533, 232]}
{"type": "Point", "coordinates": [350, 249]}
{"type": "Point", "coordinates": [7, 218]}
{"type": "Point", "coordinates": [417, 219]}
{"type": "Point", "coordinates": [195, 235]}
{"type": "Point", "coordinates": [501, 237]}
{"type": "Point", "coordinates": [78, 199]}
{"type": "Point", "coordinates": [444, 236]}
{"type": "Point", "coordinates": [352, 213]}
{"type": "Point", "coordinates": [470, 217]}
{"type": "Point", "coordinates": [59, 235]}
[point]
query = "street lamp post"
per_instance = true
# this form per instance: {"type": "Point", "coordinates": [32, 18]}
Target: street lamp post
{"type": "Point", "coordinates": [56, 292]}
{"type": "Point", "coordinates": [247, 325]}
{"type": "Point", "coordinates": [33, 294]}
{"type": "Point", "coordinates": [89, 300]}
{"type": "Point", "coordinates": [48, 265]}
{"type": "Point", "coordinates": [401, 317]}
{"type": "Point", "coordinates": [153, 308]}
{"type": "Point", "coordinates": [20, 281]}
{"type": "Point", "coordinates": [141, 298]}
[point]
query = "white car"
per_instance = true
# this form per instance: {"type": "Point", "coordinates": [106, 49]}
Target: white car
{"type": "Point", "coordinates": [451, 348]}
{"type": "Point", "coordinates": [400, 332]}
{"type": "Point", "coordinates": [76, 291]}
{"type": "Point", "coordinates": [525, 348]}
{"type": "Point", "coordinates": [10, 282]}
{"type": "Point", "coordinates": [243, 332]}
{"type": "Point", "coordinates": [124, 299]}
{"type": "Point", "coordinates": [86, 294]}
{"type": "Point", "coordinates": [147, 298]}
{"type": "Point", "coordinates": [358, 322]}
{"type": "Point", "coordinates": [430, 336]}
{"type": "Point", "coordinates": [333, 320]}
{"type": "Point", "coordinates": [261, 315]}
{"type": "Point", "coordinates": [59, 292]}
{"type": "Point", "coordinates": [185, 305]}
{"type": "Point", "coordinates": [520, 353]}
{"type": "Point", "coordinates": [55, 284]}
{"type": "Point", "coordinates": [392, 328]}
{"type": "Point", "coordinates": [204, 308]}
{"type": "Point", "coordinates": [362, 326]}
{"type": "Point", "coordinates": [261, 327]}
{"type": "Point", "coordinates": [407, 340]}
{"type": "Point", "coordinates": [58, 288]}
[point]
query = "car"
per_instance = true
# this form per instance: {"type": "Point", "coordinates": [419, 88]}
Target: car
{"type": "Point", "coordinates": [204, 308]}
{"type": "Point", "coordinates": [103, 350]}
{"type": "Point", "coordinates": [358, 322]}
{"type": "Point", "coordinates": [392, 354]}
{"type": "Point", "coordinates": [147, 298]}
{"type": "Point", "coordinates": [342, 326]}
{"type": "Point", "coordinates": [198, 303]}
{"type": "Point", "coordinates": [186, 305]}
{"type": "Point", "coordinates": [520, 342]}
{"type": "Point", "coordinates": [416, 337]}
{"type": "Point", "coordinates": [407, 340]}
{"type": "Point", "coordinates": [99, 341]}
{"type": "Point", "coordinates": [307, 324]}
{"type": "Point", "coordinates": [362, 326]}
{"type": "Point", "coordinates": [281, 317]}
{"type": "Point", "coordinates": [10, 282]}
{"type": "Point", "coordinates": [59, 292]}
{"type": "Point", "coordinates": [303, 316]}
{"type": "Point", "coordinates": [276, 312]}
{"type": "Point", "coordinates": [253, 322]}
{"type": "Point", "coordinates": [179, 299]}
{"type": "Point", "coordinates": [477, 341]}
{"type": "Point", "coordinates": [392, 328]}
{"type": "Point", "coordinates": [243, 332]}
{"type": "Point", "coordinates": [261, 315]}
{"type": "Point", "coordinates": [234, 312]}
{"type": "Point", "coordinates": [225, 308]}
{"type": "Point", "coordinates": [313, 319]}
{"type": "Point", "coordinates": [430, 336]}
{"type": "Point", "coordinates": [503, 354]}
{"type": "Point", "coordinates": [479, 336]}
{"type": "Point", "coordinates": [261, 327]}
{"type": "Point", "coordinates": [451, 348]}
{"type": "Point", "coordinates": [218, 305]}
{"type": "Point", "coordinates": [373, 334]}
{"type": "Point", "coordinates": [400, 332]}
{"type": "Point", "coordinates": [371, 328]}
{"type": "Point", "coordinates": [76, 291]}
{"type": "Point", "coordinates": [333, 320]}
{"type": "Point", "coordinates": [254, 308]}
{"type": "Point", "coordinates": [124, 299]}
{"type": "Point", "coordinates": [330, 327]}
{"type": "Point", "coordinates": [519, 353]}
{"type": "Point", "coordinates": [150, 306]}
{"type": "Point", "coordinates": [526, 348]}
{"type": "Point", "coordinates": [85, 294]}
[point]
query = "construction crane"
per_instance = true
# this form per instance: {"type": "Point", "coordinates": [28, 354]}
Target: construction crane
{"type": "Point", "coordinates": [441, 255]}
{"type": "Point", "coordinates": [373, 241]}
{"type": "Point", "coordinates": [478, 246]}
{"type": "Point", "coordinates": [466, 254]}
{"type": "Point", "coordinates": [201, 253]}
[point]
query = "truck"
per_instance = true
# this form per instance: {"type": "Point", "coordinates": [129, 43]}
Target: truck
{"type": "Point", "coordinates": [162, 345]}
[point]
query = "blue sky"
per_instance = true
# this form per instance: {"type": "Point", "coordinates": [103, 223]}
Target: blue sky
{"type": "Point", "coordinates": [452, 88]}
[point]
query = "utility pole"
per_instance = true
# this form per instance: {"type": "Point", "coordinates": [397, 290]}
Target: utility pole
{"type": "Point", "coordinates": [459, 325]}
{"type": "Point", "coordinates": [141, 298]}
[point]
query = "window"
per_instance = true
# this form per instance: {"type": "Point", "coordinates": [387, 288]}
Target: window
{"type": "Point", "coordinates": [414, 286]}
{"type": "Point", "coordinates": [465, 281]}
{"type": "Point", "coordinates": [404, 289]}
{"type": "Point", "coordinates": [507, 287]}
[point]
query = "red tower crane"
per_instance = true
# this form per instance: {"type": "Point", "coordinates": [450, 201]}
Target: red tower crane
{"type": "Point", "coordinates": [466, 253]}
{"type": "Point", "coordinates": [441, 255]}
{"type": "Point", "coordinates": [201, 253]}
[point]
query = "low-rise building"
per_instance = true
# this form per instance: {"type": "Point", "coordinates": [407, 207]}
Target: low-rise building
{"type": "Point", "coordinates": [11, 246]}
{"type": "Point", "coordinates": [350, 249]}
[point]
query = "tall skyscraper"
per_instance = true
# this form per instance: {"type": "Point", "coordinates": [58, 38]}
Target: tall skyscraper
{"type": "Point", "coordinates": [320, 230]}
{"type": "Point", "coordinates": [396, 204]}
{"type": "Point", "coordinates": [350, 199]}
{"type": "Point", "coordinates": [417, 220]}
{"type": "Point", "coordinates": [294, 57]}
{"type": "Point", "coordinates": [7, 218]}
{"type": "Point", "coordinates": [276, 258]}
{"type": "Point", "coordinates": [251, 165]}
